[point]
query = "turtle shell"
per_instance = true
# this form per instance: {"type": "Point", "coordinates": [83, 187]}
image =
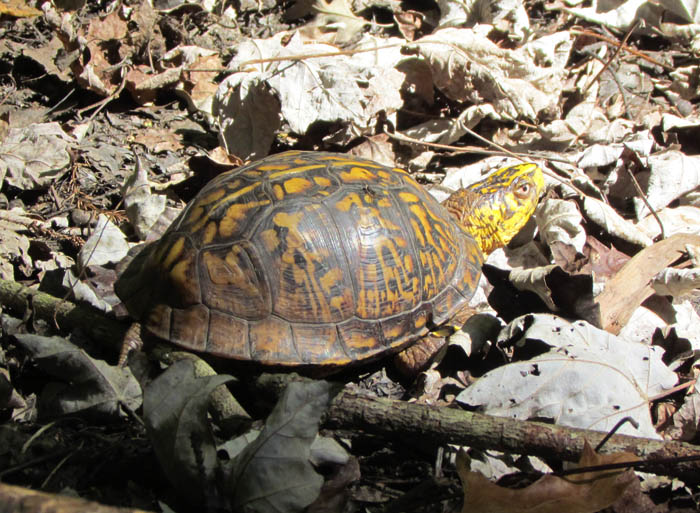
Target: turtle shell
{"type": "Point", "coordinates": [304, 259]}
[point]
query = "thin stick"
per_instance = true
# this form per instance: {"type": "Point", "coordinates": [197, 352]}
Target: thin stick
{"type": "Point", "coordinates": [632, 51]}
{"type": "Point", "coordinates": [614, 56]}
{"type": "Point", "coordinates": [644, 196]}
{"type": "Point", "coordinates": [296, 58]}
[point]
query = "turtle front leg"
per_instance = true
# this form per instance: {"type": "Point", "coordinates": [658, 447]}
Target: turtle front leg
{"type": "Point", "coordinates": [417, 357]}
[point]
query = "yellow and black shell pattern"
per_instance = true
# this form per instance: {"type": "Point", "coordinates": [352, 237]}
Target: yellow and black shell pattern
{"type": "Point", "coordinates": [304, 259]}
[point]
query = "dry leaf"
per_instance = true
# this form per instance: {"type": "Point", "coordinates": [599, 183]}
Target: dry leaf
{"type": "Point", "coordinates": [588, 379]}
{"type": "Point", "coordinates": [144, 85]}
{"type": "Point", "coordinates": [106, 244]}
{"type": "Point", "coordinates": [100, 73]}
{"type": "Point", "coordinates": [580, 493]}
{"type": "Point", "coordinates": [671, 175]}
{"type": "Point", "coordinates": [676, 282]}
{"type": "Point", "coordinates": [158, 139]}
{"type": "Point", "coordinates": [199, 85]}
{"type": "Point", "coordinates": [350, 93]}
{"type": "Point", "coordinates": [33, 157]}
{"type": "Point", "coordinates": [219, 156]}
{"type": "Point", "coordinates": [623, 16]}
{"type": "Point", "coordinates": [560, 226]}
{"type": "Point", "coordinates": [335, 23]}
{"type": "Point", "coordinates": [682, 219]}
{"type": "Point", "coordinates": [14, 246]}
{"type": "Point", "coordinates": [142, 207]}
{"type": "Point", "coordinates": [607, 218]}
{"type": "Point", "coordinates": [469, 67]}
{"type": "Point", "coordinates": [378, 148]}
{"type": "Point", "coordinates": [632, 285]}
{"type": "Point", "coordinates": [409, 23]}
{"type": "Point", "coordinates": [603, 261]}
{"type": "Point", "coordinates": [686, 420]}
{"type": "Point", "coordinates": [533, 280]}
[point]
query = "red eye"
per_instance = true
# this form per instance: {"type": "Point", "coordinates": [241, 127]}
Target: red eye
{"type": "Point", "coordinates": [523, 191]}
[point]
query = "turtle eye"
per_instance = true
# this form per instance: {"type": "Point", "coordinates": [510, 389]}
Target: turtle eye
{"type": "Point", "coordinates": [523, 191]}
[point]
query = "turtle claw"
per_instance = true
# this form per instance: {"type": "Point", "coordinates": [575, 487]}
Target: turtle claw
{"type": "Point", "coordinates": [132, 342]}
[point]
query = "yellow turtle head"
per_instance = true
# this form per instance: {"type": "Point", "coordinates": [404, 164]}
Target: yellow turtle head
{"type": "Point", "coordinates": [494, 209]}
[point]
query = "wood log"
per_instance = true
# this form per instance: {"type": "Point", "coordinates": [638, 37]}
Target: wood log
{"type": "Point", "coordinates": [64, 315]}
{"type": "Point", "coordinates": [394, 419]}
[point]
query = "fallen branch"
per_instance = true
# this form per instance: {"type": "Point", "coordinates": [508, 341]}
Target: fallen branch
{"type": "Point", "coordinates": [60, 313]}
{"type": "Point", "coordinates": [393, 418]}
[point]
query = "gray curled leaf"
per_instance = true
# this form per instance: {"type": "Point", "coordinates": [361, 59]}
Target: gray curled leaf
{"type": "Point", "coordinates": [274, 472]}
{"type": "Point", "coordinates": [175, 413]}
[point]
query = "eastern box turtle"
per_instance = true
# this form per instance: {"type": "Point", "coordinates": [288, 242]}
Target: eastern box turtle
{"type": "Point", "coordinates": [320, 259]}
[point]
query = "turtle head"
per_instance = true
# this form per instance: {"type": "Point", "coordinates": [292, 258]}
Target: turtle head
{"type": "Point", "coordinates": [494, 209]}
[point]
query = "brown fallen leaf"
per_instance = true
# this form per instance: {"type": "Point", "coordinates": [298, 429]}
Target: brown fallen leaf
{"type": "Point", "coordinates": [579, 493]}
{"type": "Point", "coordinates": [335, 492]}
{"type": "Point", "coordinates": [604, 261]}
{"type": "Point", "coordinates": [199, 83]}
{"type": "Point", "coordinates": [631, 285]}
{"type": "Point", "coordinates": [103, 60]}
{"type": "Point", "coordinates": [158, 139]}
{"type": "Point", "coordinates": [219, 156]}
{"type": "Point", "coordinates": [409, 23]}
{"type": "Point", "coordinates": [4, 125]}
{"type": "Point", "coordinates": [97, 66]}
{"type": "Point", "coordinates": [143, 85]}
{"type": "Point", "coordinates": [377, 147]}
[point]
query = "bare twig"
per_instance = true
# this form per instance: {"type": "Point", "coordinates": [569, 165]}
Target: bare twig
{"type": "Point", "coordinates": [104, 102]}
{"type": "Point", "coordinates": [619, 49]}
{"type": "Point", "coordinates": [644, 196]}
{"type": "Point", "coordinates": [615, 78]}
{"type": "Point", "coordinates": [628, 49]}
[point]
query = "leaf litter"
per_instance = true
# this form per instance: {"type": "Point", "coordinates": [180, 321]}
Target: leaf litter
{"type": "Point", "coordinates": [604, 98]}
